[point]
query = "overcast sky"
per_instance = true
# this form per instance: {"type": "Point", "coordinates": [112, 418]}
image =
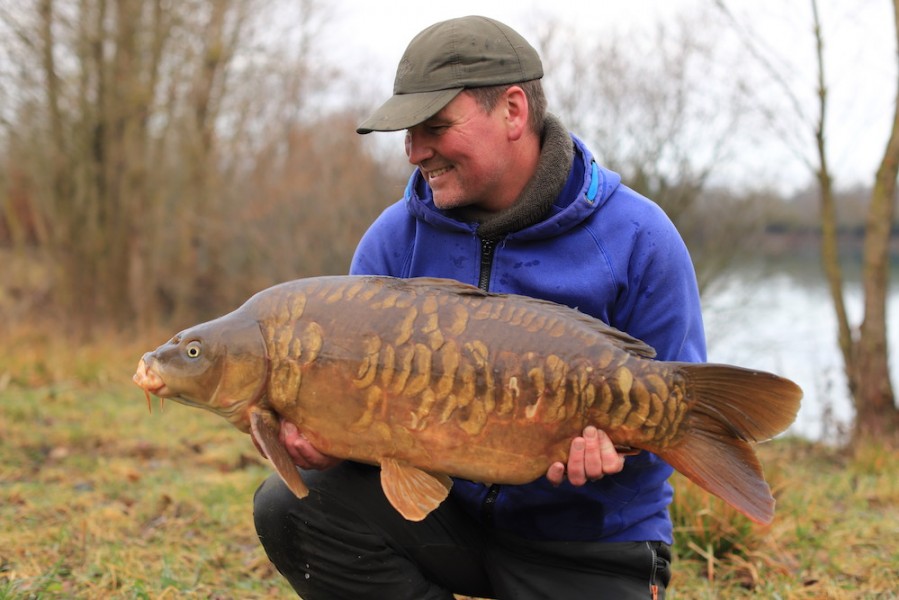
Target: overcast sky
{"type": "Point", "coordinates": [860, 54]}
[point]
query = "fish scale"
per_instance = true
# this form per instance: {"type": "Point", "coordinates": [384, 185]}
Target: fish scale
{"type": "Point", "coordinates": [416, 374]}
{"type": "Point", "coordinates": [430, 377]}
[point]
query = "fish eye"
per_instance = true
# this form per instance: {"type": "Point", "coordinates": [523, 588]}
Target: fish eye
{"type": "Point", "coordinates": [193, 350]}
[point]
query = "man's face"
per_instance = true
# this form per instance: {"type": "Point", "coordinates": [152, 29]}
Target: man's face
{"type": "Point", "coordinates": [462, 152]}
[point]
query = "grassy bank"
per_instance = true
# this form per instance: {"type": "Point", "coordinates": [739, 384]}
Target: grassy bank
{"type": "Point", "coordinates": [99, 499]}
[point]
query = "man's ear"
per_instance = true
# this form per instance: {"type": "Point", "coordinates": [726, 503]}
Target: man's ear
{"type": "Point", "coordinates": [515, 103]}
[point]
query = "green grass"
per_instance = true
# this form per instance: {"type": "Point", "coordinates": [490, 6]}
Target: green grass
{"type": "Point", "coordinates": [100, 499]}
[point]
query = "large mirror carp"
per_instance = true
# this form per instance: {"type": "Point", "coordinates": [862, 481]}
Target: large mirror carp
{"type": "Point", "coordinates": [431, 378]}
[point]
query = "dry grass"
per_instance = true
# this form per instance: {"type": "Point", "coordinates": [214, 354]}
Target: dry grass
{"type": "Point", "coordinates": [833, 536]}
{"type": "Point", "coordinates": [99, 499]}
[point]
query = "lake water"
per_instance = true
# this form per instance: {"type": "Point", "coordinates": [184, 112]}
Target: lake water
{"type": "Point", "coordinates": [781, 319]}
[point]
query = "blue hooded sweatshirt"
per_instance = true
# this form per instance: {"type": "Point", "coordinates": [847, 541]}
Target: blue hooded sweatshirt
{"type": "Point", "coordinates": [600, 248]}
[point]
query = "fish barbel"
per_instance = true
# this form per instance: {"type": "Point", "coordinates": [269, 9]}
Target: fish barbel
{"type": "Point", "coordinates": [431, 378]}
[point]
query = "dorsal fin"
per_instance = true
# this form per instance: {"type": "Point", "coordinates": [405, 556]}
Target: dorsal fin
{"type": "Point", "coordinates": [614, 336]}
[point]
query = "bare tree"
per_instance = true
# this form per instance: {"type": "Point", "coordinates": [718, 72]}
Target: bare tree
{"type": "Point", "coordinates": [649, 107]}
{"type": "Point", "coordinates": [876, 411]}
{"type": "Point", "coordinates": [82, 137]}
{"type": "Point", "coordinates": [169, 159]}
{"type": "Point", "coordinates": [864, 349]}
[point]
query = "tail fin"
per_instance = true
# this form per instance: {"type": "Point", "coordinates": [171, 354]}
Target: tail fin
{"type": "Point", "coordinates": [730, 408]}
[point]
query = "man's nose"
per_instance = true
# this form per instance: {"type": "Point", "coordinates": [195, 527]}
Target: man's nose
{"type": "Point", "coordinates": [417, 148]}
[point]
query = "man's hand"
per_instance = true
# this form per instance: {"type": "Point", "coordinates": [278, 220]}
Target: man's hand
{"type": "Point", "coordinates": [299, 449]}
{"type": "Point", "coordinates": [591, 457]}
{"type": "Point", "coordinates": [302, 452]}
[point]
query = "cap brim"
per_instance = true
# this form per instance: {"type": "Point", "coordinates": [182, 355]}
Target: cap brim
{"type": "Point", "coordinates": [402, 111]}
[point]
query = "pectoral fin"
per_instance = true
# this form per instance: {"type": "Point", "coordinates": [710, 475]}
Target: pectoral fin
{"type": "Point", "coordinates": [413, 492]}
{"type": "Point", "coordinates": [264, 430]}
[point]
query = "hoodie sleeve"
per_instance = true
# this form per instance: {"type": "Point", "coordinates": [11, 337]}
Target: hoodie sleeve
{"type": "Point", "coordinates": [659, 299]}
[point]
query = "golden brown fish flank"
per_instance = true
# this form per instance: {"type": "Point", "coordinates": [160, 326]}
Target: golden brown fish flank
{"type": "Point", "coordinates": [433, 375]}
{"type": "Point", "coordinates": [429, 353]}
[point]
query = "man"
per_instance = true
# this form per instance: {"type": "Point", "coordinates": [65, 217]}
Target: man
{"type": "Point", "coordinates": [505, 198]}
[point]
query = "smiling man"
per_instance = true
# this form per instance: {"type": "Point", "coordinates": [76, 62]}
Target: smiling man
{"type": "Point", "coordinates": [473, 158]}
{"type": "Point", "coordinates": [502, 197]}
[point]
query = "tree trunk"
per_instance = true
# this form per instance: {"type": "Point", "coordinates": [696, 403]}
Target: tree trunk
{"type": "Point", "coordinates": [830, 252]}
{"type": "Point", "coordinates": [866, 356]}
{"type": "Point", "coordinates": [876, 413]}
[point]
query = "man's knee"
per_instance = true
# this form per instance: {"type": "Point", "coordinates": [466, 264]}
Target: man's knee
{"type": "Point", "coordinates": [347, 491]}
{"type": "Point", "coordinates": [273, 507]}
{"type": "Point", "coordinates": [346, 540]}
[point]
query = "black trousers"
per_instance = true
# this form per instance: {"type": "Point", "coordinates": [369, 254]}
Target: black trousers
{"type": "Point", "coordinates": [345, 541]}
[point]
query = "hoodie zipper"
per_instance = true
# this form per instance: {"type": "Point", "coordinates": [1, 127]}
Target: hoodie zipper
{"type": "Point", "coordinates": [488, 250]}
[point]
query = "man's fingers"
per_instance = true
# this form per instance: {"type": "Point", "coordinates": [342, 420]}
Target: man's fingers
{"type": "Point", "coordinates": [311, 458]}
{"type": "Point", "coordinates": [594, 459]}
{"type": "Point", "coordinates": [592, 456]}
{"type": "Point", "coordinates": [288, 433]}
{"type": "Point", "coordinates": [298, 447]}
{"type": "Point", "coordinates": [610, 461]}
{"type": "Point", "coordinates": [576, 473]}
{"type": "Point", "coordinates": [556, 473]}
{"type": "Point", "coordinates": [291, 440]}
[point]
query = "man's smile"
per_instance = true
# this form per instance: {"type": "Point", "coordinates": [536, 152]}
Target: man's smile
{"type": "Point", "coordinates": [435, 173]}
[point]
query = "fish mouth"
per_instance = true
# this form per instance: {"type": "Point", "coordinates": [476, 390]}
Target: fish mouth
{"type": "Point", "coordinates": [150, 382]}
{"type": "Point", "coordinates": [148, 379]}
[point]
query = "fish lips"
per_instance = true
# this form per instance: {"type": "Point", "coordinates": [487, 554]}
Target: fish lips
{"type": "Point", "coordinates": [147, 379]}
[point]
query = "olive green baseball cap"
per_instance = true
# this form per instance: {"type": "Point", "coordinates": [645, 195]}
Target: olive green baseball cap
{"type": "Point", "coordinates": [446, 58]}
